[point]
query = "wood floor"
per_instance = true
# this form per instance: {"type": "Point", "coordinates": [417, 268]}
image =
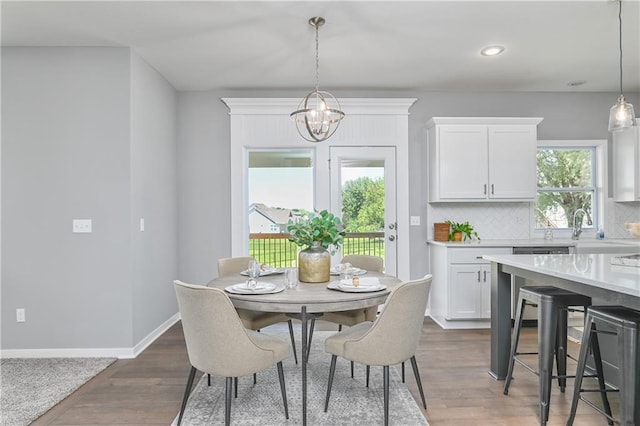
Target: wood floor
{"type": "Point", "coordinates": [453, 365]}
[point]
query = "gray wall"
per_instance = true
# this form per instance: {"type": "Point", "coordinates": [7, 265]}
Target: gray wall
{"type": "Point", "coordinates": [69, 151]}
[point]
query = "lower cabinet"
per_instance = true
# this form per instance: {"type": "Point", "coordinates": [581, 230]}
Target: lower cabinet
{"type": "Point", "coordinates": [461, 288]}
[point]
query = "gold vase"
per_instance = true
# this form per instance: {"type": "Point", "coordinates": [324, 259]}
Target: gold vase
{"type": "Point", "coordinates": [314, 264]}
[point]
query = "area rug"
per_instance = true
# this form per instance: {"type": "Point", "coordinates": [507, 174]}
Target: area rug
{"type": "Point", "coordinates": [351, 402]}
{"type": "Point", "coordinates": [29, 387]}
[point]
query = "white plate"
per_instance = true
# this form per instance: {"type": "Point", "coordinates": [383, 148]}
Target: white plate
{"type": "Point", "coordinates": [349, 288]}
{"type": "Point", "coordinates": [354, 271]}
{"type": "Point", "coordinates": [266, 273]}
{"type": "Point", "coordinates": [262, 288]}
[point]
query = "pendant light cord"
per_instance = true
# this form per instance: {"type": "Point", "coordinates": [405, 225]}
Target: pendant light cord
{"type": "Point", "coordinates": [318, 59]}
{"type": "Point", "coordinates": [620, 34]}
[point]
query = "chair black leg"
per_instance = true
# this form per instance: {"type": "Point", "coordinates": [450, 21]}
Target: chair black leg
{"type": "Point", "coordinates": [208, 379]}
{"type": "Point", "coordinates": [385, 381]}
{"type": "Point", "coordinates": [332, 371]}
{"type": "Point", "coordinates": [402, 371]}
{"type": "Point", "coordinates": [352, 369]}
{"type": "Point", "coordinates": [187, 391]}
{"type": "Point", "coordinates": [293, 342]}
{"type": "Point", "coordinates": [255, 378]}
{"type": "Point", "coordinates": [339, 327]}
{"type": "Point", "coordinates": [235, 387]}
{"type": "Point", "coordinates": [368, 369]}
{"type": "Point", "coordinates": [283, 389]}
{"type": "Point", "coordinates": [416, 374]}
{"type": "Point", "coordinates": [227, 400]}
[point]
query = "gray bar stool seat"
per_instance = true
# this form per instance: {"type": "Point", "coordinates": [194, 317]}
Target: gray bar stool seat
{"type": "Point", "coordinates": [553, 304]}
{"type": "Point", "coordinates": [624, 323]}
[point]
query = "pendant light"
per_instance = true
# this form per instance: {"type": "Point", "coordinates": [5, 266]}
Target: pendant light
{"type": "Point", "coordinates": [621, 115]}
{"type": "Point", "coordinates": [318, 115]}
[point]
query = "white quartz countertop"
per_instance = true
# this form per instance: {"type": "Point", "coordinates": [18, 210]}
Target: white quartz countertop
{"type": "Point", "coordinates": [633, 243]}
{"type": "Point", "coordinates": [591, 269]}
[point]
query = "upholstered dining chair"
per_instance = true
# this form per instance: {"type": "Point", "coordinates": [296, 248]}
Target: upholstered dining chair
{"type": "Point", "coordinates": [391, 339]}
{"type": "Point", "coordinates": [254, 320]}
{"type": "Point", "coordinates": [354, 316]}
{"type": "Point", "coordinates": [219, 344]}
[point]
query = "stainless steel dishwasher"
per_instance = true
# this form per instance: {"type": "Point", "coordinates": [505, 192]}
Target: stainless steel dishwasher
{"type": "Point", "coordinates": [516, 283]}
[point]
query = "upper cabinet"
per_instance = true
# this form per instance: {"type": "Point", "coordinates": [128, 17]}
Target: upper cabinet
{"type": "Point", "coordinates": [626, 165]}
{"type": "Point", "coordinates": [482, 159]}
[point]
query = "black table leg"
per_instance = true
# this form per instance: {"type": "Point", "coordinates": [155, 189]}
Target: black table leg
{"type": "Point", "coordinates": [305, 350]}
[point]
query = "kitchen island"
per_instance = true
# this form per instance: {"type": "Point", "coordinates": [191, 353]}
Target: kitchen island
{"type": "Point", "coordinates": [589, 274]}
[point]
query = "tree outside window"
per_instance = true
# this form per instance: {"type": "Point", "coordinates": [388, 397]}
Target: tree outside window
{"type": "Point", "coordinates": [566, 183]}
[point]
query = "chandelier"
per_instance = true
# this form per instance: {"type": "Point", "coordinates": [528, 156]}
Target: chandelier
{"type": "Point", "coordinates": [318, 115]}
{"type": "Point", "coordinates": [621, 115]}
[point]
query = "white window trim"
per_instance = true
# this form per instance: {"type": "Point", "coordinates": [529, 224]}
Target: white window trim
{"type": "Point", "coordinates": [601, 186]}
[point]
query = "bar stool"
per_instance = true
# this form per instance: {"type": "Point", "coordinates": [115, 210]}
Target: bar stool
{"type": "Point", "coordinates": [553, 304]}
{"type": "Point", "coordinates": [624, 323]}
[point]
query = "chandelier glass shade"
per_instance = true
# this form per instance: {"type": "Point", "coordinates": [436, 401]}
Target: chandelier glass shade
{"type": "Point", "coordinates": [318, 115]}
{"type": "Point", "coordinates": [621, 115]}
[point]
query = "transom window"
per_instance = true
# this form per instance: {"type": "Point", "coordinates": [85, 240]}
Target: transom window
{"type": "Point", "coordinates": [570, 177]}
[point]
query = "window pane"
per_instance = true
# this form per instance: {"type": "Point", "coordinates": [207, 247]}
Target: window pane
{"type": "Point", "coordinates": [565, 168]}
{"type": "Point", "coordinates": [556, 208]}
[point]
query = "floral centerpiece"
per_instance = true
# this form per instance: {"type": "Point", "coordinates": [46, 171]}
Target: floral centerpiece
{"type": "Point", "coordinates": [316, 235]}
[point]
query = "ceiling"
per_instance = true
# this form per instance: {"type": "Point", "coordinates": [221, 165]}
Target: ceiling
{"type": "Point", "coordinates": [365, 45]}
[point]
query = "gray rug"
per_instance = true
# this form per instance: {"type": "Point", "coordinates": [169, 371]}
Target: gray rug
{"type": "Point", "coordinates": [351, 402]}
{"type": "Point", "coordinates": [29, 387]}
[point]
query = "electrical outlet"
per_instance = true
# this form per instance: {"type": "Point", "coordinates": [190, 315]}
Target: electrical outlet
{"type": "Point", "coordinates": [81, 226]}
{"type": "Point", "coordinates": [20, 315]}
{"type": "Point", "coordinates": [415, 220]}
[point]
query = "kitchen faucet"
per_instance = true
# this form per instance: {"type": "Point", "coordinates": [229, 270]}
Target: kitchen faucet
{"type": "Point", "coordinates": [577, 226]}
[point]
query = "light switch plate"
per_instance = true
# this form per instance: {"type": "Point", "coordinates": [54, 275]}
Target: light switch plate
{"type": "Point", "coordinates": [415, 220]}
{"type": "Point", "coordinates": [82, 226]}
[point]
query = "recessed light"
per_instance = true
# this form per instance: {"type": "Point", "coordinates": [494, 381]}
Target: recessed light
{"type": "Point", "coordinates": [492, 50]}
{"type": "Point", "coordinates": [576, 83]}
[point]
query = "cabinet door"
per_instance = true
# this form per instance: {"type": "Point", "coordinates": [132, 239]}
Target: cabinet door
{"type": "Point", "coordinates": [463, 162]}
{"type": "Point", "coordinates": [465, 292]}
{"type": "Point", "coordinates": [626, 165]}
{"type": "Point", "coordinates": [512, 162]}
{"type": "Point", "coordinates": [485, 296]}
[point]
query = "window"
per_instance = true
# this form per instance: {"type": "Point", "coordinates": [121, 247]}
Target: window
{"type": "Point", "coordinates": [570, 177]}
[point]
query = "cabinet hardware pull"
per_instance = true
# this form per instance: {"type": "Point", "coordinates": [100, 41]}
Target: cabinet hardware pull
{"type": "Point", "coordinates": [484, 276]}
{"type": "Point", "coordinates": [478, 257]}
{"type": "Point", "coordinates": [491, 189]}
{"type": "Point", "coordinates": [478, 276]}
{"type": "Point", "coordinates": [485, 189]}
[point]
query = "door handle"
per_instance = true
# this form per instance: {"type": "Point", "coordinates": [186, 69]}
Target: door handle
{"type": "Point", "coordinates": [485, 189]}
{"type": "Point", "coordinates": [491, 189]}
{"type": "Point", "coordinates": [392, 237]}
{"type": "Point", "coordinates": [478, 276]}
{"type": "Point", "coordinates": [392, 226]}
{"type": "Point", "coordinates": [484, 276]}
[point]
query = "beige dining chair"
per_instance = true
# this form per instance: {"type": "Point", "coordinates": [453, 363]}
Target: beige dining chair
{"type": "Point", "coordinates": [254, 320]}
{"type": "Point", "coordinates": [391, 339]}
{"type": "Point", "coordinates": [354, 316]}
{"type": "Point", "coordinates": [219, 344]}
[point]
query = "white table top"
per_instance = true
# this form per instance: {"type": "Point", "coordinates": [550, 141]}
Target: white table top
{"type": "Point", "coordinates": [315, 296]}
{"type": "Point", "coordinates": [591, 269]}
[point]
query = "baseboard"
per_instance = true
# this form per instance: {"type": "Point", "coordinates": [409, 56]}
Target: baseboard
{"type": "Point", "coordinates": [121, 353]}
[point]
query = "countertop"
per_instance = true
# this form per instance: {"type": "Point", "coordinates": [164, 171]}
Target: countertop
{"type": "Point", "coordinates": [591, 269]}
{"type": "Point", "coordinates": [633, 243]}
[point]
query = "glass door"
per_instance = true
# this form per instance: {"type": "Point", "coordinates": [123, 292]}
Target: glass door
{"type": "Point", "coordinates": [363, 193]}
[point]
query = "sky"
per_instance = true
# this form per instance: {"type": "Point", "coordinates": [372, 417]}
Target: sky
{"type": "Point", "coordinates": [291, 187]}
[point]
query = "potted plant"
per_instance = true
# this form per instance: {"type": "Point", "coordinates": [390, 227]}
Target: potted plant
{"type": "Point", "coordinates": [316, 234]}
{"type": "Point", "coordinates": [460, 231]}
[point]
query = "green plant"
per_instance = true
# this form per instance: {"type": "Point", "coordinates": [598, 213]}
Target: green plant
{"type": "Point", "coordinates": [465, 228]}
{"type": "Point", "coordinates": [322, 227]}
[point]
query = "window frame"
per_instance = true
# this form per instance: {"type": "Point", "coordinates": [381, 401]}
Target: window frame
{"type": "Point", "coordinates": [600, 173]}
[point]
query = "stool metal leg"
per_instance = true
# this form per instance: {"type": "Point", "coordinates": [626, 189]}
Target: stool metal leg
{"type": "Point", "coordinates": [597, 360]}
{"type": "Point", "coordinates": [514, 344]}
{"type": "Point", "coordinates": [561, 350]}
{"type": "Point", "coordinates": [548, 317]}
{"type": "Point", "coordinates": [582, 361]}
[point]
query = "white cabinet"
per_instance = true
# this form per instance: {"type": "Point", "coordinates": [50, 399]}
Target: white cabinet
{"type": "Point", "coordinates": [482, 159]}
{"type": "Point", "coordinates": [461, 287]}
{"type": "Point", "coordinates": [626, 165]}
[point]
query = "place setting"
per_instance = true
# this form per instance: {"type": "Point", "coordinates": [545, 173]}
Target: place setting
{"type": "Point", "coordinates": [357, 285]}
{"type": "Point", "coordinates": [252, 285]}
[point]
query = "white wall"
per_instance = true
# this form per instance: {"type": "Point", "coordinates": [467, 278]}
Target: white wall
{"type": "Point", "coordinates": [69, 150]}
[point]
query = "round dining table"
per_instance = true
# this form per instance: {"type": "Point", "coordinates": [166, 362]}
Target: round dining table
{"type": "Point", "coordinates": [305, 302]}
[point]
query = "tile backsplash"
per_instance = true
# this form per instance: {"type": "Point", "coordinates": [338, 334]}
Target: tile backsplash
{"type": "Point", "coordinates": [513, 220]}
